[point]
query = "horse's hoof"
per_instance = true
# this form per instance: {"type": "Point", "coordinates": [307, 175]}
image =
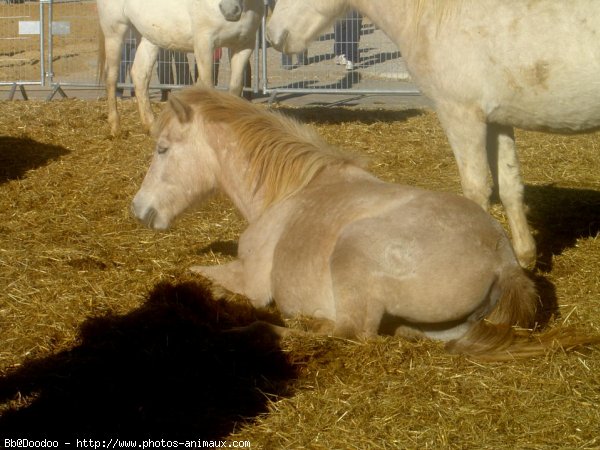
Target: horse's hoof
{"type": "Point", "coordinates": [527, 259]}
{"type": "Point", "coordinates": [115, 131]}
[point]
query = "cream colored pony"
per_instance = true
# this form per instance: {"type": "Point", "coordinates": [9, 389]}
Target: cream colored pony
{"type": "Point", "coordinates": [488, 66]}
{"type": "Point", "coordinates": [327, 239]}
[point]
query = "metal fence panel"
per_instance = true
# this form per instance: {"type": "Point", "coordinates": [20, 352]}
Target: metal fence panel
{"type": "Point", "coordinates": [72, 41]}
{"type": "Point", "coordinates": [21, 42]}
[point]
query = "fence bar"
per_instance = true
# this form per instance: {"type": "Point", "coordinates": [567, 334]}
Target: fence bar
{"type": "Point", "coordinates": [49, 74]}
{"type": "Point", "coordinates": [42, 68]}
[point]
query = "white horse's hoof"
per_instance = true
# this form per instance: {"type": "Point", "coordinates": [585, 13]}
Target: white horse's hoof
{"type": "Point", "coordinates": [527, 257]}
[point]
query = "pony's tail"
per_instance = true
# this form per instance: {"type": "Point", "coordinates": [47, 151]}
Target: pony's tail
{"type": "Point", "coordinates": [495, 338]}
{"type": "Point", "coordinates": [101, 68]}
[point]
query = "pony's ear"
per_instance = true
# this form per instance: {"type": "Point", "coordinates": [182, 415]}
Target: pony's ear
{"type": "Point", "coordinates": [182, 110]}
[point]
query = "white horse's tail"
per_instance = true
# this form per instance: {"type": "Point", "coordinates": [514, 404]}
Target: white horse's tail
{"type": "Point", "coordinates": [101, 69]}
{"type": "Point", "coordinates": [495, 338]}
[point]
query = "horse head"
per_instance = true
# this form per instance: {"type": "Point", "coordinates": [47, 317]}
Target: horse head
{"type": "Point", "coordinates": [183, 168]}
{"type": "Point", "coordinates": [294, 24]}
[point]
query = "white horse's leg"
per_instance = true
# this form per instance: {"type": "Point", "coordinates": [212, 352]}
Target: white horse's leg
{"type": "Point", "coordinates": [510, 186]}
{"type": "Point", "coordinates": [203, 52]}
{"type": "Point", "coordinates": [466, 131]}
{"type": "Point", "coordinates": [141, 73]}
{"type": "Point", "coordinates": [468, 136]}
{"type": "Point", "coordinates": [239, 59]}
{"type": "Point", "coordinates": [112, 45]}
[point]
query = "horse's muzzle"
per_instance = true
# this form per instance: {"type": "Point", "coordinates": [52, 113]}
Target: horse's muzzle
{"type": "Point", "coordinates": [231, 12]}
{"type": "Point", "coordinates": [277, 40]}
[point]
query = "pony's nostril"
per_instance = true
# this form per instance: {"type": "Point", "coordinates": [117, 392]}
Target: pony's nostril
{"type": "Point", "coordinates": [149, 217]}
{"type": "Point", "coordinates": [146, 217]}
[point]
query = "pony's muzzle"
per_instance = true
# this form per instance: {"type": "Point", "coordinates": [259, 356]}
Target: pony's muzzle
{"type": "Point", "coordinates": [147, 216]}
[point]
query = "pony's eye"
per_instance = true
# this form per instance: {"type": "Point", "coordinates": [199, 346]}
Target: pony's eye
{"type": "Point", "coordinates": [161, 149]}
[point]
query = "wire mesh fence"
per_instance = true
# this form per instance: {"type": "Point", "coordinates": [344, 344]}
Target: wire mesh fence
{"type": "Point", "coordinates": [21, 42]}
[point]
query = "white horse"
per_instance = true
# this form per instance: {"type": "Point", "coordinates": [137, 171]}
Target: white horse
{"type": "Point", "coordinates": [488, 66]}
{"type": "Point", "coordinates": [187, 25]}
{"type": "Point", "coordinates": [327, 239]}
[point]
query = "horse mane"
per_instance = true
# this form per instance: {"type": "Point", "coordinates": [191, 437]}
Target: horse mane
{"type": "Point", "coordinates": [283, 154]}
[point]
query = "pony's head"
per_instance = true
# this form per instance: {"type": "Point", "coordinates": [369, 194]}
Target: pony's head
{"type": "Point", "coordinates": [207, 139]}
{"type": "Point", "coordinates": [232, 9]}
{"type": "Point", "coordinates": [294, 24]}
{"type": "Point", "coordinates": [182, 172]}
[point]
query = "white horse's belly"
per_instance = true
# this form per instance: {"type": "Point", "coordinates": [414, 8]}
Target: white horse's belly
{"type": "Point", "coordinates": [181, 39]}
{"type": "Point", "coordinates": [565, 101]}
{"type": "Point", "coordinates": [568, 108]}
{"type": "Point", "coordinates": [163, 25]}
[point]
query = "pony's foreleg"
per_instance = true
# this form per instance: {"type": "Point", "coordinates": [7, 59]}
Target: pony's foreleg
{"type": "Point", "coordinates": [315, 326]}
{"type": "Point", "coordinates": [141, 73]}
{"type": "Point", "coordinates": [233, 277]}
{"type": "Point", "coordinates": [466, 130]}
{"type": "Point", "coordinates": [510, 187]}
{"type": "Point", "coordinates": [239, 59]}
{"type": "Point", "coordinates": [356, 314]}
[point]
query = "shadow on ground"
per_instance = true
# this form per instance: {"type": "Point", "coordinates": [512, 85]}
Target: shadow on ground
{"type": "Point", "coordinates": [18, 155]}
{"type": "Point", "coordinates": [165, 370]}
{"type": "Point", "coordinates": [560, 217]}
{"type": "Point", "coordinates": [338, 115]}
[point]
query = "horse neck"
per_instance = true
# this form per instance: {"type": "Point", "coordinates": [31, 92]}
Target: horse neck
{"type": "Point", "coordinates": [233, 182]}
{"type": "Point", "coordinates": [396, 18]}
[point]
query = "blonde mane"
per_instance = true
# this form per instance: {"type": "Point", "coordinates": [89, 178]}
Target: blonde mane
{"type": "Point", "coordinates": [283, 154]}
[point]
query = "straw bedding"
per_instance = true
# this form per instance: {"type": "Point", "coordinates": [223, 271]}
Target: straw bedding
{"type": "Point", "coordinates": [103, 330]}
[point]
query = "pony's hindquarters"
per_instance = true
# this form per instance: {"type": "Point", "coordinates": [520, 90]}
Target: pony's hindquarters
{"type": "Point", "coordinates": [431, 261]}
